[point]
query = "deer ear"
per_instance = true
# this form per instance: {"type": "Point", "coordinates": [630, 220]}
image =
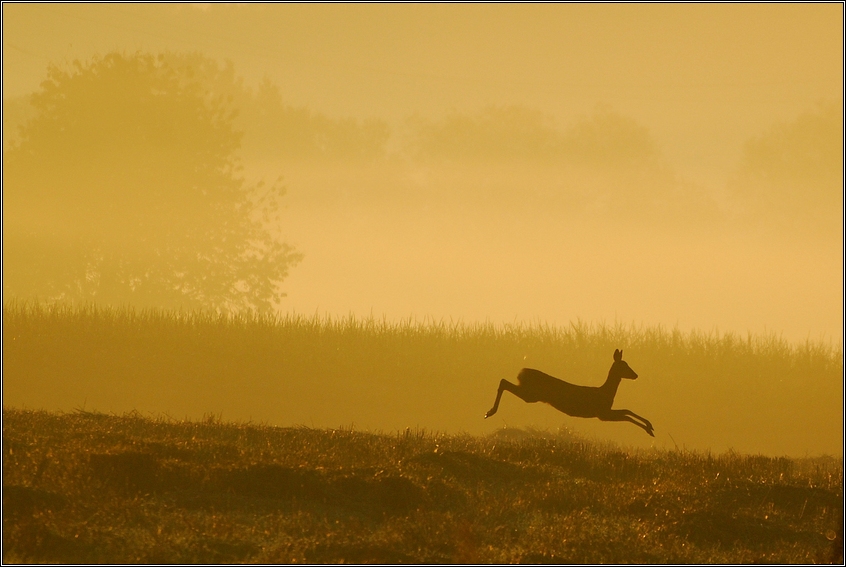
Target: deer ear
{"type": "Point", "coordinates": [618, 355]}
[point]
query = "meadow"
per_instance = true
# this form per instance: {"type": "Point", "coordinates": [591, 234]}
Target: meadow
{"type": "Point", "coordinates": [757, 394]}
{"type": "Point", "coordinates": [87, 487]}
{"type": "Point", "coordinates": [350, 440]}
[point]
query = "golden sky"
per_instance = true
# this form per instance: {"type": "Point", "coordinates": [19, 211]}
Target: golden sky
{"type": "Point", "coordinates": [702, 77]}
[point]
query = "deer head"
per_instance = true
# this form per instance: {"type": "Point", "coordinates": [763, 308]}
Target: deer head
{"type": "Point", "coordinates": [621, 368]}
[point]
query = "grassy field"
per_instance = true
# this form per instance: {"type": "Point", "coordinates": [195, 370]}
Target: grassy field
{"type": "Point", "coordinates": [144, 484]}
{"type": "Point", "coordinates": [702, 391]}
{"type": "Point", "coordinates": [85, 487]}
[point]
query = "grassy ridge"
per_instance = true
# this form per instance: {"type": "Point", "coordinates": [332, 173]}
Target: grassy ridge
{"type": "Point", "coordinates": [702, 391]}
{"type": "Point", "coordinates": [87, 487]}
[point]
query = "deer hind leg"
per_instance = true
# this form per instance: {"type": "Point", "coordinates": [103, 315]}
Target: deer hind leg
{"type": "Point", "coordinates": [626, 415]}
{"type": "Point", "coordinates": [515, 389]}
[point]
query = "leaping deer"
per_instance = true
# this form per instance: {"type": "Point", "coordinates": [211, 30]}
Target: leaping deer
{"type": "Point", "coordinates": [578, 401]}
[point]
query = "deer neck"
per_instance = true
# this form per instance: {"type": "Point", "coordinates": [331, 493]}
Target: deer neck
{"type": "Point", "coordinates": [609, 388]}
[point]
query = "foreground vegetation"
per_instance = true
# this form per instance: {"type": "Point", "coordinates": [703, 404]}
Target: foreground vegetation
{"type": "Point", "coordinates": [88, 487]}
{"type": "Point", "coordinates": [702, 391]}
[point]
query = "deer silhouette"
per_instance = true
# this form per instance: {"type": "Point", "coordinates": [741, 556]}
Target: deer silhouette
{"type": "Point", "coordinates": [578, 401]}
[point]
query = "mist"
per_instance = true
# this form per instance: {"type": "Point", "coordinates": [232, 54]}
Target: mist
{"type": "Point", "coordinates": [676, 166]}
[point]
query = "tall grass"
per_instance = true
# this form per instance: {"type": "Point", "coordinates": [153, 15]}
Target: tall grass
{"type": "Point", "coordinates": [701, 390]}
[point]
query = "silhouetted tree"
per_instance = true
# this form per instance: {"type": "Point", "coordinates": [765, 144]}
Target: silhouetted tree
{"type": "Point", "coordinates": [514, 133]}
{"type": "Point", "coordinates": [16, 112]}
{"type": "Point", "coordinates": [793, 173]}
{"type": "Point", "coordinates": [605, 163]}
{"type": "Point", "coordinates": [278, 131]}
{"type": "Point", "coordinates": [607, 139]}
{"type": "Point", "coordinates": [125, 188]}
{"type": "Point", "coordinates": [511, 133]}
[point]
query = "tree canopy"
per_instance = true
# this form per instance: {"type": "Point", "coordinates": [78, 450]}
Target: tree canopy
{"type": "Point", "coordinates": [794, 171]}
{"type": "Point", "coordinates": [125, 187]}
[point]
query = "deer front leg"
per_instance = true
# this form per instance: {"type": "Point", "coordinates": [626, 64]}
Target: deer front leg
{"type": "Point", "coordinates": [643, 419]}
{"type": "Point", "coordinates": [626, 415]}
{"type": "Point", "coordinates": [503, 385]}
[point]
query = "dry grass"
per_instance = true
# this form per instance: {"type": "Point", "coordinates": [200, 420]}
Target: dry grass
{"type": "Point", "coordinates": [86, 487]}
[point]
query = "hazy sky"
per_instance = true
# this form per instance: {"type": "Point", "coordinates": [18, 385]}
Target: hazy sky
{"type": "Point", "coordinates": [702, 77]}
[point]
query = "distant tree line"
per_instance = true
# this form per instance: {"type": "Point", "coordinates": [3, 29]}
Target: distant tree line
{"type": "Point", "coordinates": [122, 177]}
{"type": "Point", "coordinates": [809, 148]}
{"type": "Point", "coordinates": [277, 131]}
{"type": "Point", "coordinates": [793, 173]}
{"type": "Point", "coordinates": [273, 130]}
{"type": "Point", "coordinates": [605, 138]}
